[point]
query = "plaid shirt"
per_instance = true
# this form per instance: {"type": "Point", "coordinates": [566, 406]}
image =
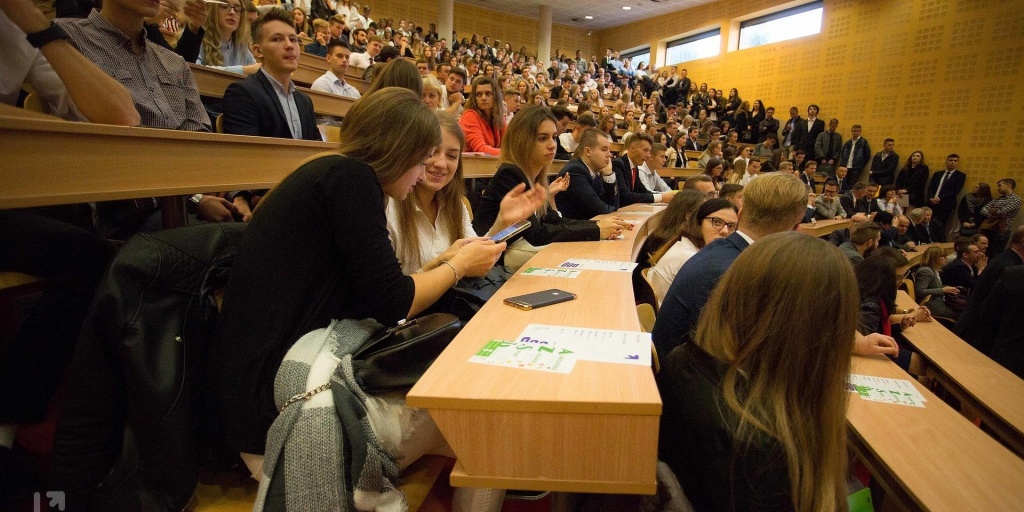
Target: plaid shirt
{"type": "Point", "coordinates": [161, 84]}
{"type": "Point", "coordinates": [1007, 206]}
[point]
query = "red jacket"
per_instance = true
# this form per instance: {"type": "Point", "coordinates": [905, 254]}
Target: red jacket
{"type": "Point", "coordinates": [480, 138]}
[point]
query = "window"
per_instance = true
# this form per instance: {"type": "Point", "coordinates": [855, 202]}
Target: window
{"type": "Point", "coordinates": [638, 56]}
{"type": "Point", "coordinates": [697, 46]}
{"type": "Point", "coordinates": [800, 21]}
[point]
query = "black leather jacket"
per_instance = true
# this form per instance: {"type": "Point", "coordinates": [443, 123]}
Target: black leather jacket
{"type": "Point", "coordinates": [136, 408]}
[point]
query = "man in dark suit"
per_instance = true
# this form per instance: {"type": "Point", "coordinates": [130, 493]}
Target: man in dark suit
{"type": "Point", "coordinates": [627, 173]}
{"type": "Point", "coordinates": [1002, 311]}
{"type": "Point", "coordinates": [943, 189]}
{"type": "Point", "coordinates": [592, 184]}
{"type": "Point", "coordinates": [856, 200]}
{"type": "Point", "coordinates": [972, 326]}
{"type": "Point", "coordinates": [807, 131]}
{"type": "Point", "coordinates": [960, 272]}
{"type": "Point", "coordinates": [691, 143]}
{"type": "Point", "coordinates": [266, 103]}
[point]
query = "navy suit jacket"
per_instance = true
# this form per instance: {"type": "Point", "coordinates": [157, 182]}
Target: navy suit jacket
{"type": "Point", "coordinates": [804, 138]}
{"type": "Point", "coordinates": [586, 196]}
{"type": "Point", "coordinates": [947, 197]}
{"type": "Point", "coordinates": [629, 193]}
{"type": "Point", "coordinates": [251, 107]}
{"type": "Point", "coordinates": [690, 291]}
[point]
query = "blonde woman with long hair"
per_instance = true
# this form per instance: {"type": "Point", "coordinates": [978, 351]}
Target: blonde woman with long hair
{"type": "Point", "coordinates": [227, 39]}
{"type": "Point", "coordinates": [754, 413]}
{"type": "Point", "coordinates": [526, 155]}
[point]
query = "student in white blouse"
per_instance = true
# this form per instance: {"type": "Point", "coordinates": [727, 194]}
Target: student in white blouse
{"type": "Point", "coordinates": [433, 222]}
{"type": "Point", "coordinates": [714, 219]}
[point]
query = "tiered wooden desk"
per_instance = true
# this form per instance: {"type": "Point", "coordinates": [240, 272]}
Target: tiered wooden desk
{"type": "Point", "coordinates": [823, 227]}
{"type": "Point", "coordinates": [484, 166]}
{"type": "Point", "coordinates": [594, 430]}
{"type": "Point", "coordinates": [980, 383]}
{"type": "Point", "coordinates": [930, 458]}
{"type": "Point", "coordinates": [51, 161]}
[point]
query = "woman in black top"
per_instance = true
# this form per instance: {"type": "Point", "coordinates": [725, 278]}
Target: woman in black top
{"type": "Point", "coordinates": [754, 414]}
{"type": "Point", "coordinates": [317, 249]}
{"type": "Point", "coordinates": [526, 152]}
{"type": "Point", "coordinates": [913, 180]}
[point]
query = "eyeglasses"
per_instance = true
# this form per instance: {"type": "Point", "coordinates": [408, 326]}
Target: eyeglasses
{"type": "Point", "coordinates": [225, 7]}
{"type": "Point", "coordinates": [718, 223]}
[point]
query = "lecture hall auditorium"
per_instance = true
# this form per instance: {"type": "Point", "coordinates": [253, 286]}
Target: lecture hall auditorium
{"type": "Point", "coordinates": [301, 254]}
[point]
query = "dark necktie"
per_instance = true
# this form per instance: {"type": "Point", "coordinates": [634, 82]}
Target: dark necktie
{"type": "Point", "coordinates": [634, 178]}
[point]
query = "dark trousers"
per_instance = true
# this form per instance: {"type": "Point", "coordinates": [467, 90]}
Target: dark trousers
{"type": "Point", "coordinates": [72, 261]}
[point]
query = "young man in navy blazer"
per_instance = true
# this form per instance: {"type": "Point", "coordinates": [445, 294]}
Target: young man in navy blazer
{"type": "Point", "coordinates": [627, 173]}
{"type": "Point", "coordinates": [267, 103]}
{"type": "Point", "coordinates": [592, 184]}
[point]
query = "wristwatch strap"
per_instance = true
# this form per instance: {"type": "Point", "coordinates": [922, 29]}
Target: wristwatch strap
{"type": "Point", "coordinates": [47, 35]}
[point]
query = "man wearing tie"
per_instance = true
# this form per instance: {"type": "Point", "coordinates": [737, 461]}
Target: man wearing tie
{"type": "Point", "coordinates": [808, 130]}
{"type": "Point", "coordinates": [627, 173]}
{"type": "Point", "coordinates": [943, 189]}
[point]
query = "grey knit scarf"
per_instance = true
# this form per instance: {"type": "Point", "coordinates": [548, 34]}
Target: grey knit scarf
{"type": "Point", "coordinates": [317, 447]}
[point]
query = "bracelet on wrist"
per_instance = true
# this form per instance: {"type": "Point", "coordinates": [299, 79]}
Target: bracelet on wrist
{"type": "Point", "coordinates": [456, 272]}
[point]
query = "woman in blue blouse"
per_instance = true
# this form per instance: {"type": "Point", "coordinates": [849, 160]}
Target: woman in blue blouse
{"type": "Point", "coordinates": [227, 39]}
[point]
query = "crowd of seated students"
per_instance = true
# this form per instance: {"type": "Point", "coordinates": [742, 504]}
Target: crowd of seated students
{"type": "Point", "coordinates": [387, 213]}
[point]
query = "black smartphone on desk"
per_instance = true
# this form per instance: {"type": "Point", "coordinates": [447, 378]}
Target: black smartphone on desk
{"type": "Point", "coordinates": [536, 300]}
{"type": "Point", "coordinates": [511, 231]}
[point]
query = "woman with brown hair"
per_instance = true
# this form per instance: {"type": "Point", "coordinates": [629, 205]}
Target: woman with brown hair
{"type": "Point", "coordinates": [754, 413]}
{"type": "Point", "coordinates": [526, 155]}
{"type": "Point", "coordinates": [317, 249]}
{"type": "Point", "coordinates": [483, 121]}
{"type": "Point", "coordinates": [681, 208]}
{"type": "Point", "coordinates": [708, 221]}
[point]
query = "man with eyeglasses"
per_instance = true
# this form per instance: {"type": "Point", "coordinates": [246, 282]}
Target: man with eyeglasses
{"type": "Point", "coordinates": [827, 206]}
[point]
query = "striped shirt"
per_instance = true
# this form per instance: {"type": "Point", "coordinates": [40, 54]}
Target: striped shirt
{"type": "Point", "coordinates": [162, 86]}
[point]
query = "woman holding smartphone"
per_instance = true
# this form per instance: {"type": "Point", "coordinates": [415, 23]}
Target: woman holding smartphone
{"type": "Point", "coordinates": [526, 154]}
{"type": "Point", "coordinates": [317, 249]}
{"type": "Point", "coordinates": [432, 223]}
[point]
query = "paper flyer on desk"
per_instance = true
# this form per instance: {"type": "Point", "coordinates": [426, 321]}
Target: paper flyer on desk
{"type": "Point", "coordinates": [600, 345]}
{"type": "Point", "coordinates": [551, 272]}
{"type": "Point", "coordinates": [880, 389]}
{"type": "Point", "coordinates": [525, 356]}
{"type": "Point", "coordinates": [587, 264]}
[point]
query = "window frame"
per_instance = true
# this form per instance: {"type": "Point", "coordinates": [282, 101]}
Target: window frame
{"type": "Point", "coordinates": [707, 34]}
{"type": "Point", "coordinates": [643, 50]}
{"type": "Point", "coordinates": [784, 13]}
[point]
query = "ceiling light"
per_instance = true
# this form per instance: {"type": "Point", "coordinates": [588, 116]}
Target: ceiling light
{"type": "Point", "coordinates": [589, 17]}
{"type": "Point", "coordinates": [626, 7]}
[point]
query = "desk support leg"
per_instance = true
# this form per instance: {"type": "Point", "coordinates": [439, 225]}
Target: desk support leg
{"type": "Point", "coordinates": [173, 212]}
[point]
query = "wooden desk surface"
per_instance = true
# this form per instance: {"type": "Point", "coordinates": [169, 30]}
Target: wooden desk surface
{"type": "Point", "coordinates": [678, 172]}
{"type": "Point", "coordinates": [915, 256]}
{"type": "Point", "coordinates": [593, 430]}
{"type": "Point", "coordinates": [50, 162]}
{"type": "Point", "coordinates": [988, 388]}
{"type": "Point", "coordinates": [930, 458]}
{"type": "Point", "coordinates": [313, 61]}
{"type": "Point", "coordinates": [213, 83]}
{"type": "Point", "coordinates": [823, 227]}
{"type": "Point", "coordinates": [484, 166]}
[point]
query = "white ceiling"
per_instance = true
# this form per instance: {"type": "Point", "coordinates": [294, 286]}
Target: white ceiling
{"type": "Point", "coordinates": [606, 13]}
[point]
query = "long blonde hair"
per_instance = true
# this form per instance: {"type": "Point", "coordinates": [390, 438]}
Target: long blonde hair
{"type": "Point", "coordinates": [449, 202]}
{"type": "Point", "coordinates": [212, 38]}
{"type": "Point", "coordinates": [785, 381]}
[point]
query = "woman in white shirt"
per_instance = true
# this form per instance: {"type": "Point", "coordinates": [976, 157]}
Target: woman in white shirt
{"type": "Point", "coordinates": [433, 222]}
{"type": "Point", "coordinates": [714, 219]}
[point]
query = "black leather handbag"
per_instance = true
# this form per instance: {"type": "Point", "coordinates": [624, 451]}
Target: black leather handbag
{"type": "Point", "coordinates": [397, 358]}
